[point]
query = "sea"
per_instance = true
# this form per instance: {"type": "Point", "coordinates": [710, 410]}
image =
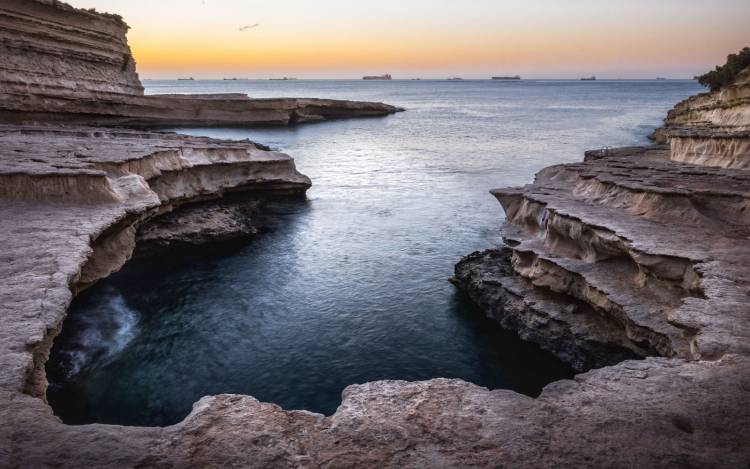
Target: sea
{"type": "Point", "coordinates": [349, 285]}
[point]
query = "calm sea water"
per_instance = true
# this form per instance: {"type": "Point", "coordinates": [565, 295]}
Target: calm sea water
{"type": "Point", "coordinates": [350, 285]}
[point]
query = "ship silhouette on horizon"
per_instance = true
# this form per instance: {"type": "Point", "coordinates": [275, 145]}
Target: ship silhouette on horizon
{"type": "Point", "coordinates": [387, 76]}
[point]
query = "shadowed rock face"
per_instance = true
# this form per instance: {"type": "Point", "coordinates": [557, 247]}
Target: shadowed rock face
{"type": "Point", "coordinates": [201, 224]}
{"type": "Point", "coordinates": [636, 252]}
{"type": "Point", "coordinates": [626, 255]}
{"type": "Point", "coordinates": [630, 254]}
{"type": "Point", "coordinates": [75, 66]}
{"type": "Point", "coordinates": [73, 199]}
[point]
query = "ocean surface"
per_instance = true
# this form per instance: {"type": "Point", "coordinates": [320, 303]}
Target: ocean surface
{"type": "Point", "coordinates": [350, 285]}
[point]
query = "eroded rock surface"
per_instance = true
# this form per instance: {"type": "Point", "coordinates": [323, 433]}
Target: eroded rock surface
{"type": "Point", "coordinates": [650, 413]}
{"type": "Point", "coordinates": [637, 252]}
{"type": "Point", "coordinates": [65, 64]}
{"type": "Point", "coordinates": [226, 220]}
{"type": "Point", "coordinates": [72, 200]}
{"type": "Point", "coordinates": [634, 253]}
{"type": "Point", "coordinates": [643, 241]}
{"type": "Point", "coordinates": [711, 128]}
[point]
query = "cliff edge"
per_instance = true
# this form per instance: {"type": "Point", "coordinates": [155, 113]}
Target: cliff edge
{"type": "Point", "coordinates": [633, 266]}
{"type": "Point", "coordinates": [711, 128]}
{"type": "Point", "coordinates": [634, 253]}
{"type": "Point", "coordinates": [75, 66]}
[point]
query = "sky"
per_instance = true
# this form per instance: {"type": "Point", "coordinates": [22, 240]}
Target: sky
{"type": "Point", "coordinates": [430, 38]}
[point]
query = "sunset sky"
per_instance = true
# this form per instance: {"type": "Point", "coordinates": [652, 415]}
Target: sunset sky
{"type": "Point", "coordinates": [430, 38]}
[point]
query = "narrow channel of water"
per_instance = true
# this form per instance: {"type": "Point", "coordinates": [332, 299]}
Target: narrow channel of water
{"type": "Point", "coordinates": [350, 285]}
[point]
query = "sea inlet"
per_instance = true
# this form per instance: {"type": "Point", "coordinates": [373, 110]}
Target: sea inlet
{"type": "Point", "coordinates": [351, 284]}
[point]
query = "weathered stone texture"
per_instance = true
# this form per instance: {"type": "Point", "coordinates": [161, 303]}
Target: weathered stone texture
{"type": "Point", "coordinates": [635, 253]}
{"type": "Point", "coordinates": [74, 66]}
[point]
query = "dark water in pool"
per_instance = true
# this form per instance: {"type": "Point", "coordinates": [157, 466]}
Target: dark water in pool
{"type": "Point", "coordinates": [350, 285]}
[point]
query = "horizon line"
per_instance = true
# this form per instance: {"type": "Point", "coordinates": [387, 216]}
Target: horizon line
{"type": "Point", "coordinates": [190, 78]}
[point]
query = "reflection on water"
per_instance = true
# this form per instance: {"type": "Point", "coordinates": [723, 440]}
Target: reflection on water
{"type": "Point", "coordinates": [351, 285]}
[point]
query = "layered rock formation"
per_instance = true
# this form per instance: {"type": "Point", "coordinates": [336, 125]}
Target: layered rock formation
{"type": "Point", "coordinates": [72, 65]}
{"type": "Point", "coordinates": [628, 254]}
{"type": "Point", "coordinates": [634, 249]}
{"type": "Point", "coordinates": [711, 128]}
{"type": "Point", "coordinates": [637, 252]}
{"type": "Point", "coordinates": [73, 199]}
{"type": "Point", "coordinates": [634, 253]}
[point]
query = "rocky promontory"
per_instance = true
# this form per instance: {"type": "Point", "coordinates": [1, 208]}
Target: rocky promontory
{"type": "Point", "coordinates": [70, 65]}
{"type": "Point", "coordinates": [632, 266]}
{"type": "Point", "coordinates": [711, 129]}
{"type": "Point", "coordinates": [634, 253]}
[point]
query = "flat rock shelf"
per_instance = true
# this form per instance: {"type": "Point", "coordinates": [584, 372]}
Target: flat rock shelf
{"type": "Point", "coordinates": [634, 253]}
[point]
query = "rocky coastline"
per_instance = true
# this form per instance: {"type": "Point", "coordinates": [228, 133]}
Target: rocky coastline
{"type": "Point", "coordinates": [710, 124]}
{"type": "Point", "coordinates": [75, 66]}
{"type": "Point", "coordinates": [632, 266]}
{"type": "Point", "coordinates": [638, 252]}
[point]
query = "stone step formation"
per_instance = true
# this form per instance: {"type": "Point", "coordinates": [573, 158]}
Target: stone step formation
{"type": "Point", "coordinates": [631, 266]}
{"type": "Point", "coordinates": [639, 239]}
{"type": "Point", "coordinates": [71, 65]}
{"type": "Point", "coordinates": [639, 252]}
{"type": "Point", "coordinates": [73, 199]}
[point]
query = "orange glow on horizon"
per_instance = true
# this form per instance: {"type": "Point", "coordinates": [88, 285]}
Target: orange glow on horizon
{"type": "Point", "coordinates": [536, 37]}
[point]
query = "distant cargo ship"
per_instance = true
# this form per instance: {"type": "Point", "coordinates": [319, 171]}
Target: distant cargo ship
{"type": "Point", "coordinates": [282, 79]}
{"type": "Point", "coordinates": [591, 78]}
{"type": "Point", "coordinates": [387, 76]}
{"type": "Point", "coordinates": [456, 79]}
{"type": "Point", "coordinates": [514, 77]}
{"type": "Point", "coordinates": [660, 78]}
{"type": "Point", "coordinates": [186, 79]}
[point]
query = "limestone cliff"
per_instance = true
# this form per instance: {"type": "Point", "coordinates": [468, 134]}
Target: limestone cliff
{"type": "Point", "coordinates": [634, 253]}
{"type": "Point", "coordinates": [65, 64]}
{"type": "Point", "coordinates": [72, 200]}
{"type": "Point", "coordinates": [712, 129]}
{"type": "Point", "coordinates": [626, 255]}
{"type": "Point", "coordinates": [51, 49]}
